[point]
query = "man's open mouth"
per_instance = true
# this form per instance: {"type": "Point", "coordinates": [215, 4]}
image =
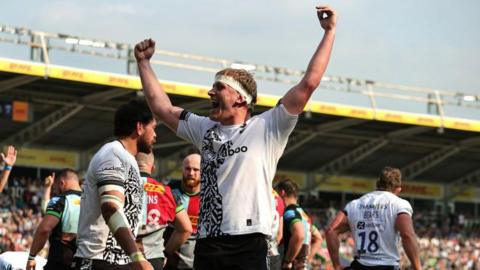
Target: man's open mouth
{"type": "Point", "coordinates": [215, 104]}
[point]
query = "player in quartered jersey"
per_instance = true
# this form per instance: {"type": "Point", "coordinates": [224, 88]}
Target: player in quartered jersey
{"type": "Point", "coordinates": [378, 221]}
{"type": "Point", "coordinates": [296, 227]}
{"type": "Point", "coordinates": [160, 210]}
{"type": "Point", "coordinates": [59, 225]}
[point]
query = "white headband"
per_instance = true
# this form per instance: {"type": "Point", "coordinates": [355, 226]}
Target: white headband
{"type": "Point", "coordinates": [235, 85]}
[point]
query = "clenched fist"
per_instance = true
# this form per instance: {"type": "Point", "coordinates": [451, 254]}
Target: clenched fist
{"type": "Point", "coordinates": [144, 50]}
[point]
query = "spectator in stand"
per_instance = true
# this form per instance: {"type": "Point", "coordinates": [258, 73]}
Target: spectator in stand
{"type": "Point", "coordinates": [9, 160]}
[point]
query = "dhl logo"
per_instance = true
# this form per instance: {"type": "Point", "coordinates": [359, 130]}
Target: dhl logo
{"type": "Point", "coordinates": [73, 74]}
{"type": "Point", "coordinates": [21, 67]}
{"type": "Point", "coordinates": [154, 188]}
{"type": "Point", "coordinates": [118, 80]}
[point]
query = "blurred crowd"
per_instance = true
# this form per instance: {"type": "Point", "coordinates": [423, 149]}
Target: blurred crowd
{"type": "Point", "coordinates": [20, 213]}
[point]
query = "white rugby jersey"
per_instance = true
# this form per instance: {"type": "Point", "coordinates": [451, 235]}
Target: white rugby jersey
{"type": "Point", "coordinates": [238, 165]}
{"type": "Point", "coordinates": [113, 165]}
{"type": "Point", "coordinates": [372, 222]}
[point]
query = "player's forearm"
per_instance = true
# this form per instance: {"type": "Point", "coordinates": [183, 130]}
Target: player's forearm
{"type": "Point", "coordinates": [39, 240]}
{"type": "Point", "coordinates": [4, 179]}
{"type": "Point", "coordinates": [409, 243]}
{"type": "Point", "coordinates": [126, 240]}
{"type": "Point", "coordinates": [319, 62]}
{"type": "Point", "coordinates": [294, 247]}
{"type": "Point", "coordinates": [157, 98]}
{"type": "Point", "coordinates": [333, 246]}
{"type": "Point", "coordinates": [176, 240]}
{"type": "Point", "coordinates": [120, 228]}
{"type": "Point", "coordinates": [314, 247]}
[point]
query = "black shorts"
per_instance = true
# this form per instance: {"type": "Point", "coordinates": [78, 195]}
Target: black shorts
{"type": "Point", "coordinates": [157, 263]}
{"type": "Point", "coordinates": [275, 262]}
{"type": "Point", "coordinates": [87, 264]}
{"type": "Point", "coordinates": [355, 265]}
{"type": "Point", "coordinates": [233, 252]}
{"type": "Point", "coordinates": [51, 265]}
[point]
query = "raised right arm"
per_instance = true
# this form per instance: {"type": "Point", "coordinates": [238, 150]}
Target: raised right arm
{"type": "Point", "coordinates": [157, 99]}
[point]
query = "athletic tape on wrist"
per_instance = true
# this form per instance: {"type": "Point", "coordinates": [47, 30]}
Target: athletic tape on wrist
{"type": "Point", "coordinates": [117, 221]}
{"type": "Point", "coordinates": [137, 256]}
{"type": "Point", "coordinates": [31, 257]}
{"type": "Point", "coordinates": [235, 85]}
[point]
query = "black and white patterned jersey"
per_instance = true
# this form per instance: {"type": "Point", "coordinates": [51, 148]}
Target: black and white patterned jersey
{"type": "Point", "coordinates": [237, 168]}
{"type": "Point", "coordinates": [112, 164]}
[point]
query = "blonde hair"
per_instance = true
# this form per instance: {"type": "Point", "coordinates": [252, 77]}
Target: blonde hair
{"type": "Point", "coordinates": [390, 178]}
{"type": "Point", "coordinates": [245, 79]}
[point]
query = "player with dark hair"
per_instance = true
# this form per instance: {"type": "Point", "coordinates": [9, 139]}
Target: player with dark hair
{"type": "Point", "coordinates": [59, 225]}
{"type": "Point", "coordinates": [112, 198]}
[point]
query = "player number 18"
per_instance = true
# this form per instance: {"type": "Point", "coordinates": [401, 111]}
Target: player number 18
{"type": "Point", "coordinates": [372, 245]}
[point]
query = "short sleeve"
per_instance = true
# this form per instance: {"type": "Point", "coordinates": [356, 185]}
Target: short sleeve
{"type": "Point", "coordinates": [56, 206]}
{"type": "Point", "coordinates": [111, 172]}
{"type": "Point", "coordinates": [280, 123]}
{"type": "Point", "coordinates": [191, 127]}
{"type": "Point", "coordinates": [404, 206]}
{"type": "Point", "coordinates": [291, 216]}
{"type": "Point", "coordinates": [347, 209]}
{"type": "Point", "coordinates": [175, 199]}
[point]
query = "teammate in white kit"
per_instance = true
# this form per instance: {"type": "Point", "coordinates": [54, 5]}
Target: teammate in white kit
{"type": "Point", "coordinates": [377, 221]}
{"type": "Point", "coordinates": [239, 153]}
{"type": "Point", "coordinates": [111, 203]}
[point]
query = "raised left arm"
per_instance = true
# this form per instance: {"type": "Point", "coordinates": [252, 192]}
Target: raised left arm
{"type": "Point", "coordinates": [297, 97]}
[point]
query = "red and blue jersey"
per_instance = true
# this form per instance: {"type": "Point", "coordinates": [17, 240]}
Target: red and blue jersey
{"type": "Point", "coordinates": [161, 209]}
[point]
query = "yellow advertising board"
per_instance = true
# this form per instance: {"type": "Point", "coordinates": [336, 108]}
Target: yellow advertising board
{"type": "Point", "coordinates": [133, 82]}
{"type": "Point", "coordinates": [47, 158]}
{"type": "Point", "coordinates": [345, 184]}
{"type": "Point", "coordinates": [363, 185]}
{"type": "Point", "coordinates": [467, 195]}
{"type": "Point", "coordinates": [422, 190]}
